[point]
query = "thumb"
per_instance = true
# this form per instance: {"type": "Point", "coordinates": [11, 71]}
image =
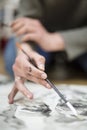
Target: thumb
{"type": "Point", "coordinates": [39, 61]}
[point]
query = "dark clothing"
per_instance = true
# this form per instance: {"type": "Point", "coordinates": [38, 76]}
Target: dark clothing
{"type": "Point", "coordinates": [68, 17]}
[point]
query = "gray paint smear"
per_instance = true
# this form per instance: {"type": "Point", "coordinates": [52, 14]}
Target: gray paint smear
{"type": "Point", "coordinates": [46, 110]}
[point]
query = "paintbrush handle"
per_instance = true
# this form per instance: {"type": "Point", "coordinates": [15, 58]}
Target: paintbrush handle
{"type": "Point", "coordinates": [63, 98]}
{"type": "Point", "coordinates": [56, 90]}
{"type": "Point", "coordinates": [50, 83]}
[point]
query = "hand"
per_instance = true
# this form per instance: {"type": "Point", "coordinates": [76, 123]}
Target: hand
{"type": "Point", "coordinates": [24, 69]}
{"type": "Point", "coordinates": [33, 30]}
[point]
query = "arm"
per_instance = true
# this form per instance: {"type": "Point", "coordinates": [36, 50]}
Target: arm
{"type": "Point", "coordinates": [30, 8]}
{"type": "Point", "coordinates": [75, 41]}
{"type": "Point", "coordinates": [71, 40]}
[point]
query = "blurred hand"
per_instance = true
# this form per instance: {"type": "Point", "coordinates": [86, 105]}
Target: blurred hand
{"type": "Point", "coordinates": [27, 71]}
{"type": "Point", "coordinates": [33, 30]}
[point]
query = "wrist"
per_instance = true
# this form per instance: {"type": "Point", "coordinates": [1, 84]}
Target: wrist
{"type": "Point", "coordinates": [58, 41]}
{"type": "Point", "coordinates": [53, 42]}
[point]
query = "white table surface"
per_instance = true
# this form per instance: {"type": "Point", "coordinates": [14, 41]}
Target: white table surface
{"type": "Point", "coordinates": [13, 119]}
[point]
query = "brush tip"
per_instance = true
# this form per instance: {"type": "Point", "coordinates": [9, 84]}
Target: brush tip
{"type": "Point", "coordinates": [80, 117]}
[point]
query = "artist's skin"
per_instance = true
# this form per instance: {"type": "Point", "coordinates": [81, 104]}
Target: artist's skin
{"type": "Point", "coordinates": [32, 30]}
{"type": "Point", "coordinates": [24, 69]}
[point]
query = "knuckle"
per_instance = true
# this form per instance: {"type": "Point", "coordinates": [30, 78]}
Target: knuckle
{"type": "Point", "coordinates": [30, 69]}
{"type": "Point", "coordinates": [38, 74]}
{"type": "Point", "coordinates": [42, 59]}
{"type": "Point", "coordinates": [26, 67]}
{"type": "Point", "coordinates": [28, 75]}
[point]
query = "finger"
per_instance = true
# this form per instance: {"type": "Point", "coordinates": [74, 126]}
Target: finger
{"type": "Point", "coordinates": [12, 94]}
{"type": "Point", "coordinates": [20, 86]}
{"type": "Point", "coordinates": [17, 21]}
{"type": "Point", "coordinates": [14, 91]}
{"type": "Point", "coordinates": [39, 81]}
{"type": "Point", "coordinates": [24, 21]}
{"type": "Point", "coordinates": [18, 67]}
{"type": "Point", "coordinates": [22, 30]}
{"type": "Point", "coordinates": [25, 30]}
{"type": "Point", "coordinates": [32, 70]}
{"type": "Point", "coordinates": [32, 78]}
{"type": "Point", "coordinates": [17, 26]}
{"type": "Point", "coordinates": [39, 60]}
{"type": "Point", "coordinates": [26, 68]}
{"type": "Point", "coordinates": [18, 71]}
{"type": "Point", "coordinates": [29, 37]}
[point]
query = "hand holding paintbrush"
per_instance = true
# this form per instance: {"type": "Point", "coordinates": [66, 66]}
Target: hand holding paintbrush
{"type": "Point", "coordinates": [52, 85]}
{"type": "Point", "coordinates": [21, 88]}
{"type": "Point", "coordinates": [44, 80]}
{"type": "Point", "coordinates": [23, 69]}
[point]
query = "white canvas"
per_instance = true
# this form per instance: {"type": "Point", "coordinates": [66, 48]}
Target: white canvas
{"type": "Point", "coordinates": [46, 111]}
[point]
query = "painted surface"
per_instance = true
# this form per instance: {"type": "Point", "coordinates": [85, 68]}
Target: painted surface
{"type": "Point", "coordinates": [45, 111]}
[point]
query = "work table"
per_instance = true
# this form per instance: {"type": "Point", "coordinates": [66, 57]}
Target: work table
{"type": "Point", "coordinates": [14, 118]}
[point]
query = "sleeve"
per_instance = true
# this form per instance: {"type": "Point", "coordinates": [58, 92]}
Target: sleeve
{"type": "Point", "coordinates": [75, 41]}
{"type": "Point", "coordinates": [30, 8]}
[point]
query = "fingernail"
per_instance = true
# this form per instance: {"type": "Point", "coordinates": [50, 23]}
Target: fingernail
{"type": "Point", "coordinates": [41, 66]}
{"type": "Point", "coordinates": [48, 86]}
{"type": "Point", "coordinates": [44, 76]}
{"type": "Point", "coordinates": [28, 96]}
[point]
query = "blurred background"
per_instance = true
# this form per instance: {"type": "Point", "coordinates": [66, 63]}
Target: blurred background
{"type": "Point", "coordinates": [62, 70]}
{"type": "Point", "coordinates": [8, 11]}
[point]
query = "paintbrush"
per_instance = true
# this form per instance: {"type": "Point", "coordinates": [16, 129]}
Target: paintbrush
{"type": "Point", "coordinates": [53, 86]}
{"type": "Point", "coordinates": [50, 83]}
